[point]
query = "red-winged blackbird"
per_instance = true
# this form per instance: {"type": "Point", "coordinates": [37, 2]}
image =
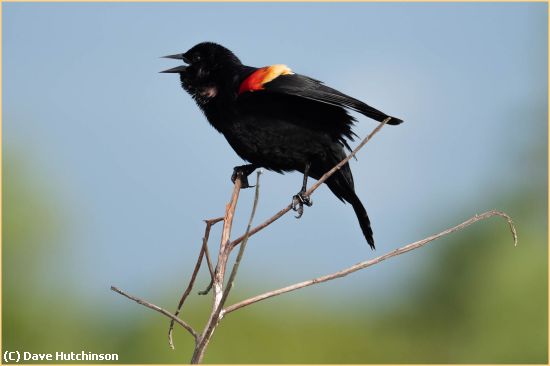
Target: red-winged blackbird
{"type": "Point", "coordinates": [277, 119]}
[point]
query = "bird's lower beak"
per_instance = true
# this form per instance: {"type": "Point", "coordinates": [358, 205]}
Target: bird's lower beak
{"type": "Point", "coordinates": [178, 69]}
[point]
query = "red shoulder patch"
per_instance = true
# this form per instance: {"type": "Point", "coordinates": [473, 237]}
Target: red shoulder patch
{"type": "Point", "coordinates": [258, 78]}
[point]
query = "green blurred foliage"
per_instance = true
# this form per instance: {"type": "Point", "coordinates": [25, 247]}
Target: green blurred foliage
{"type": "Point", "coordinates": [480, 300]}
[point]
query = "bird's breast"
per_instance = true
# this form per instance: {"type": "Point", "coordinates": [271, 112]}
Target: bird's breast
{"type": "Point", "coordinates": [275, 144]}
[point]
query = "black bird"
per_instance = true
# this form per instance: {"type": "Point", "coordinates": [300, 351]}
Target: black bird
{"type": "Point", "coordinates": [277, 119]}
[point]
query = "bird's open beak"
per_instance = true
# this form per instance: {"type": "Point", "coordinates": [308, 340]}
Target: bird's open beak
{"type": "Point", "coordinates": [178, 69]}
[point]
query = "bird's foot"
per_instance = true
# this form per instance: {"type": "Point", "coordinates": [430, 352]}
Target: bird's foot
{"type": "Point", "coordinates": [242, 171]}
{"type": "Point", "coordinates": [298, 202]}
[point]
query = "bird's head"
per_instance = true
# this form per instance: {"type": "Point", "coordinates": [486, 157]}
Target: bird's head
{"type": "Point", "coordinates": [206, 70]}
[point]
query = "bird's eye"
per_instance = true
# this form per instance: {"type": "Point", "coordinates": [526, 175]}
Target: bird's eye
{"type": "Point", "coordinates": [196, 58]}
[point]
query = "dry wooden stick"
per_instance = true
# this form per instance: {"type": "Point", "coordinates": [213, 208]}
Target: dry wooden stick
{"type": "Point", "coordinates": [210, 267]}
{"type": "Point", "coordinates": [160, 310]}
{"type": "Point", "coordinates": [223, 255]}
{"type": "Point", "coordinates": [365, 264]}
{"type": "Point", "coordinates": [204, 250]}
{"type": "Point", "coordinates": [233, 273]}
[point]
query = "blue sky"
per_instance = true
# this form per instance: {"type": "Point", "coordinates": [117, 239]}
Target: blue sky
{"type": "Point", "coordinates": [137, 166]}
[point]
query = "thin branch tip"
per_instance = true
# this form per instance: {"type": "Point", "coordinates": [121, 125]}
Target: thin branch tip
{"type": "Point", "coordinates": [512, 226]}
{"type": "Point", "coordinates": [160, 310]}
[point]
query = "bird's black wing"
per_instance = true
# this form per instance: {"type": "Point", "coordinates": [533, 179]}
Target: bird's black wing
{"type": "Point", "coordinates": [306, 87]}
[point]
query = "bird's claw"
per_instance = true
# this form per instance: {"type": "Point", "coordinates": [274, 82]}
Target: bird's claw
{"type": "Point", "coordinates": [239, 172]}
{"type": "Point", "coordinates": [298, 202]}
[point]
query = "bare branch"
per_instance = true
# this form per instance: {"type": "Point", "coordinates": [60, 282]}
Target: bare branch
{"type": "Point", "coordinates": [160, 310]}
{"type": "Point", "coordinates": [204, 249]}
{"type": "Point", "coordinates": [209, 224]}
{"type": "Point", "coordinates": [209, 263]}
{"type": "Point", "coordinates": [365, 264]}
{"type": "Point", "coordinates": [207, 255]}
{"type": "Point", "coordinates": [233, 274]}
{"type": "Point", "coordinates": [226, 233]}
{"type": "Point", "coordinates": [312, 189]}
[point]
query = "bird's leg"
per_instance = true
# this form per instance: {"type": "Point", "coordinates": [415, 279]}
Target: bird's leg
{"type": "Point", "coordinates": [301, 199]}
{"type": "Point", "coordinates": [243, 171]}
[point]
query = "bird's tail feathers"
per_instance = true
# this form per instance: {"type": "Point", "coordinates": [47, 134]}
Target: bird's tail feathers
{"type": "Point", "coordinates": [344, 191]}
{"type": "Point", "coordinates": [363, 219]}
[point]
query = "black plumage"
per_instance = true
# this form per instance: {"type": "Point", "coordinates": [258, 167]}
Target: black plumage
{"type": "Point", "coordinates": [276, 119]}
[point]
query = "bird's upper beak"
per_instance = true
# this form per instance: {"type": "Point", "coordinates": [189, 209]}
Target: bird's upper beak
{"type": "Point", "coordinates": [178, 69]}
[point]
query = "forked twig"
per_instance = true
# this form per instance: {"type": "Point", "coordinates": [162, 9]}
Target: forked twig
{"type": "Point", "coordinates": [216, 315]}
